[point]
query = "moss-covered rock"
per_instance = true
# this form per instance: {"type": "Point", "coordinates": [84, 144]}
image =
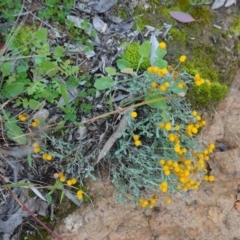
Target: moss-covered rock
{"type": "Point", "coordinates": [204, 95]}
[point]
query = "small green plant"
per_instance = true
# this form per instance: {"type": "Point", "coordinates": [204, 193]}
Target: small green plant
{"type": "Point", "coordinates": [157, 149]}
{"type": "Point", "coordinates": [10, 9]}
{"type": "Point", "coordinates": [56, 10]}
{"type": "Point", "coordinates": [40, 76]}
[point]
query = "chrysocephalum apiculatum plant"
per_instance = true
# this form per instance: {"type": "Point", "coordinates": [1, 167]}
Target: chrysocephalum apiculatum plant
{"type": "Point", "coordinates": [158, 149]}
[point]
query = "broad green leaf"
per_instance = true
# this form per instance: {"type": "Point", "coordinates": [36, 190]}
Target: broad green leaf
{"type": "Point", "coordinates": [14, 89]}
{"type": "Point", "coordinates": [49, 198]}
{"type": "Point", "coordinates": [165, 116]}
{"type": "Point", "coordinates": [177, 90]}
{"type": "Point", "coordinates": [25, 103]}
{"type": "Point", "coordinates": [41, 35]}
{"type": "Point", "coordinates": [6, 68]}
{"type": "Point", "coordinates": [34, 104]}
{"type": "Point", "coordinates": [155, 100]}
{"type": "Point", "coordinates": [58, 52]}
{"type": "Point", "coordinates": [22, 69]}
{"type": "Point", "coordinates": [161, 53]}
{"type": "Point", "coordinates": [145, 49]}
{"type": "Point", "coordinates": [39, 59]}
{"type": "Point", "coordinates": [110, 70]}
{"type": "Point", "coordinates": [49, 68]}
{"type": "Point", "coordinates": [103, 83]}
{"type": "Point", "coordinates": [64, 93]}
{"type": "Point", "coordinates": [122, 63]}
{"type": "Point", "coordinates": [161, 63]}
{"type": "Point", "coordinates": [14, 132]}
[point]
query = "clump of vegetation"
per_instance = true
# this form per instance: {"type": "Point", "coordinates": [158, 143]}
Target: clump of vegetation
{"type": "Point", "coordinates": [157, 149]}
{"type": "Point", "coordinates": [206, 95]}
{"type": "Point", "coordinates": [132, 55]}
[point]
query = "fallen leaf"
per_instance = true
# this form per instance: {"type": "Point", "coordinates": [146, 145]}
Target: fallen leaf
{"type": "Point", "coordinates": [230, 3]}
{"type": "Point", "coordinates": [182, 16]}
{"type": "Point", "coordinates": [217, 4]}
{"type": "Point", "coordinates": [99, 24]}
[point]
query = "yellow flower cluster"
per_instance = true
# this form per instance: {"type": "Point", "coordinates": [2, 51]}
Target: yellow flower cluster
{"type": "Point", "coordinates": [185, 168]}
{"type": "Point", "coordinates": [35, 123]}
{"type": "Point", "coordinates": [163, 186]}
{"type": "Point", "coordinates": [163, 87]}
{"type": "Point", "coordinates": [193, 128]}
{"type": "Point", "coordinates": [200, 81]}
{"type": "Point", "coordinates": [147, 203]}
{"type": "Point", "coordinates": [71, 182]}
{"type": "Point", "coordinates": [159, 71]}
{"type": "Point", "coordinates": [36, 148]}
{"type": "Point", "coordinates": [47, 156]}
{"type": "Point", "coordinates": [60, 175]}
{"type": "Point", "coordinates": [23, 117]}
{"type": "Point", "coordinates": [137, 142]}
{"type": "Point", "coordinates": [166, 126]}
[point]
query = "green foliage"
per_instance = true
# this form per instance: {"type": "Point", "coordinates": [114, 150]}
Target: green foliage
{"type": "Point", "coordinates": [10, 9]}
{"type": "Point", "coordinates": [56, 10]}
{"type": "Point", "coordinates": [202, 13]}
{"type": "Point", "coordinates": [178, 36]}
{"type": "Point", "coordinates": [133, 56]}
{"type": "Point", "coordinates": [202, 63]}
{"type": "Point", "coordinates": [136, 162]}
{"type": "Point", "coordinates": [39, 77]}
{"type": "Point", "coordinates": [14, 132]}
{"type": "Point", "coordinates": [235, 28]}
{"type": "Point", "coordinates": [204, 95]}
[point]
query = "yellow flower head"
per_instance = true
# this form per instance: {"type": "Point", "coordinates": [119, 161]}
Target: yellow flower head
{"type": "Point", "coordinates": [168, 126]}
{"type": "Point", "coordinates": [135, 137]}
{"type": "Point", "coordinates": [62, 178]}
{"type": "Point", "coordinates": [154, 85]}
{"type": "Point", "coordinates": [164, 71]}
{"type": "Point", "coordinates": [182, 58]}
{"type": "Point", "coordinates": [137, 143]}
{"type": "Point", "coordinates": [162, 45]}
{"type": "Point", "coordinates": [79, 194]}
{"type": "Point", "coordinates": [69, 182]}
{"type": "Point", "coordinates": [36, 149]}
{"type": "Point", "coordinates": [134, 114]}
{"type": "Point", "coordinates": [168, 200]}
{"type": "Point", "coordinates": [35, 123]}
{"type": "Point", "coordinates": [74, 181]}
{"type": "Point", "coordinates": [23, 117]}
{"type": "Point", "coordinates": [150, 69]}
{"type": "Point", "coordinates": [162, 88]}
